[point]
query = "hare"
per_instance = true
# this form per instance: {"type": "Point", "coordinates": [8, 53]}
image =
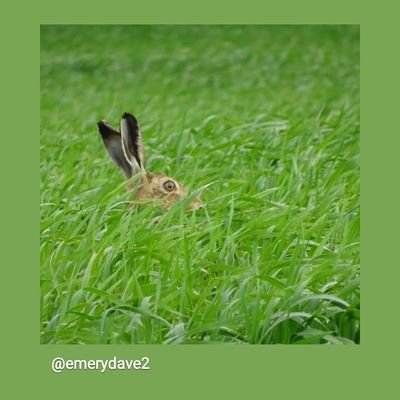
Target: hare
{"type": "Point", "coordinates": [125, 148]}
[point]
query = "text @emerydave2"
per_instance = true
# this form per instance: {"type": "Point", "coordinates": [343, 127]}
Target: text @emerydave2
{"type": "Point", "coordinates": [59, 364]}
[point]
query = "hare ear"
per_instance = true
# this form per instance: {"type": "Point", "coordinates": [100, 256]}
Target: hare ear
{"type": "Point", "coordinates": [132, 143]}
{"type": "Point", "coordinates": [113, 143]}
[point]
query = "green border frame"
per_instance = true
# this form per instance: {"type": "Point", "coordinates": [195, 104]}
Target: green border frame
{"type": "Point", "coordinates": [198, 371]}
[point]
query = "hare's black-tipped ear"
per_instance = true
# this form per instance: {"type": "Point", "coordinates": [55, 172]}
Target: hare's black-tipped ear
{"type": "Point", "coordinates": [132, 142]}
{"type": "Point", "coordinates": [113, 143]}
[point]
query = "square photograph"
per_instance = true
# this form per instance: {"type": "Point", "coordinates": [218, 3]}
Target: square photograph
{"type": "Point", "coordinates": [199, 184]}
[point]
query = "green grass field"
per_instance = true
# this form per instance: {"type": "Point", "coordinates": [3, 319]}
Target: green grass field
{"type": "Point", "coordinates": [263, 121]}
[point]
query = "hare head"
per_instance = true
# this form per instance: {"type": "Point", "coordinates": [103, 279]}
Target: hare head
{"type": "Point", "coordinates": [125, 148]}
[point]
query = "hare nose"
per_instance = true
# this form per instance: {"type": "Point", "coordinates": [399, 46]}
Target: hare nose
{"type": "Point", "coordinates": [196, 205]}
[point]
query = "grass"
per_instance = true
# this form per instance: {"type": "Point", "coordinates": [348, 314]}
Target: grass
{"type": "Point", "coordinates": [263, 121]}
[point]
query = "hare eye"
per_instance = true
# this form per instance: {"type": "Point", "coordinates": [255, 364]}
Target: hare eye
{"type": "Point", "coordinates": [169, 186]}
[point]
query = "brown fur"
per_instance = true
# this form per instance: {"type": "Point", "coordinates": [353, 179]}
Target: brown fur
{"type": "Point", "coordinates": [126, 149]}
{"type": "Point", "coordinates": [150, 187]}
